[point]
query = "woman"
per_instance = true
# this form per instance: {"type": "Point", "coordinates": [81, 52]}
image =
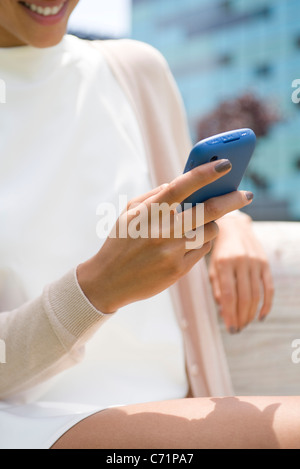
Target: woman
{"type": "Point", "coordinates": [96, 121]}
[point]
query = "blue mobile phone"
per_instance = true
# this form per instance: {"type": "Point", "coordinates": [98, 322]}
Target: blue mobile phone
{"type": "Point", "coordinates": [237, 146]}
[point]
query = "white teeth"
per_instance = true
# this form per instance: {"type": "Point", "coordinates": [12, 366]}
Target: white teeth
{"type": "Point", "coordinates": [55, 10]}
{"type": "Point", "coordinates": [48, 11]}
{"type": "Point", "coordinates": [32, 7]}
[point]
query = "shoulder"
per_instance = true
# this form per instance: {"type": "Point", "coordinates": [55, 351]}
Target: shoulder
{"type": "Point", "coordinates": [140, 56]}
{"type": "Point", "coordinates": [138, 50]}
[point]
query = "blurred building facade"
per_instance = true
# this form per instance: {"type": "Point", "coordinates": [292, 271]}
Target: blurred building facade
{"type": "Point", "coordinates": [225, 51]}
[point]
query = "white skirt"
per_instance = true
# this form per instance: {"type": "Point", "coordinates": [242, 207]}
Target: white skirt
{"type": "Point", "coordinates": [143, 362]}
{"type": "Point", "coordinates": [39, 425]}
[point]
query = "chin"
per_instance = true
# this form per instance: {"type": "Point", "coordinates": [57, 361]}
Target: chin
{"type": "Point", "coordinates": [45, 41]}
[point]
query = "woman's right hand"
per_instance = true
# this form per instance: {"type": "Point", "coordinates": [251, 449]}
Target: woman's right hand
{"type": "Point", "coordinates": [130, 268]}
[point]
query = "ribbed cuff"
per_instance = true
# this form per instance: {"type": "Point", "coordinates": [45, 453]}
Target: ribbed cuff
{"type": "Point", "coordinates": [68, 309]}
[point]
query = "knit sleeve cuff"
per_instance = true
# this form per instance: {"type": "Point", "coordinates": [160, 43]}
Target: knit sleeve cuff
{"type": "Point", "coordinates": [70, 312]}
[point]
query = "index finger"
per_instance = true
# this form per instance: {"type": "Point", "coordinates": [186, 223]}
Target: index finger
{"type": "Point", "coordinates": [228, 297]}
{"type": "Point", "coordinates": [268, 293]}
{"type": "Point", "coordinates": [186, 184]}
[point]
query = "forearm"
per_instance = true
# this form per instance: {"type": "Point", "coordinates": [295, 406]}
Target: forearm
{"type": "Point", "coordinates": [46, 336]}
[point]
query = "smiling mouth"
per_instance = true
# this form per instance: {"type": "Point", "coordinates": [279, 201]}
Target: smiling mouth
{"type": "Point", "coordinates": [44, 11]}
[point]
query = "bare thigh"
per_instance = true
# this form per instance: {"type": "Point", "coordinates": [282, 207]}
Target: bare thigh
{"type": "Point", "coordinates": [251, 422]}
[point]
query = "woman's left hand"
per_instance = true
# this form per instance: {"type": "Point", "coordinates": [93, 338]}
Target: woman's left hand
{"type": "Point", "coordinates": [240, 274]}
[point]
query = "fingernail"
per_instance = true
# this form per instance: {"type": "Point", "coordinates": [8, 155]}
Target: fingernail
{"type": "Point", "coordinates": [233, 330]}
{"type": "Point", "coordinates": [249, 195]}
{"type": "Point", "coordinates": [262, 318]}
{"type": "Point", "coordinates": [223, 166]}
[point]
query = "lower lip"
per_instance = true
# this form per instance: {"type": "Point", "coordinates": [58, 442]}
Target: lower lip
{"type": "Point", "coordinates": [47, 20]}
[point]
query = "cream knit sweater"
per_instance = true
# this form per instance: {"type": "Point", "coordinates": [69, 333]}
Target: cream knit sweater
{"type": "Point", "coordinates": [47, 335]}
